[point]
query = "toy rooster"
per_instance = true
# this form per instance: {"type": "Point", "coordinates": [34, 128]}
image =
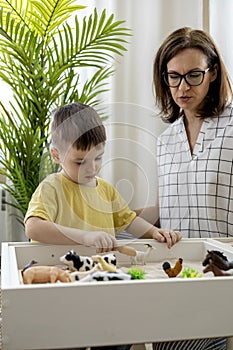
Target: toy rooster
{"type": "Point", "coordinates": [173, 271]}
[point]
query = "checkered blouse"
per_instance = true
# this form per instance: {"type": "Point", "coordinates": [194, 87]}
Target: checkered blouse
{"type": "Point", "coordinates": [196, 190]}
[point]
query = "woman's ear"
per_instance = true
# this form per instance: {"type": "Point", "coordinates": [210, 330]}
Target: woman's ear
{"type": "Point", "coordinates": [214, 72]}
{"type": "Point", "coordinates": [55, 155]}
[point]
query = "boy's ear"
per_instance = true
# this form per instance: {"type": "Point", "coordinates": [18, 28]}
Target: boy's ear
{"type": "Point", "coordinates": [55, 155]}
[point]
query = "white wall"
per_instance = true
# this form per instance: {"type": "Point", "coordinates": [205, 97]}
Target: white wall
{"type": "Point", "coordinates": [131, 150]}
{"type": "Point", "coordinates": [221, 29]}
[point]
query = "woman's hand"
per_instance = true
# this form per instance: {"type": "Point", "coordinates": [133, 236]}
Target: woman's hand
{"type": "Point", "coordinates": [169, 236]}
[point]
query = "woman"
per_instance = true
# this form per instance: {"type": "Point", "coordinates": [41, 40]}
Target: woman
{"type": "Point", "coordinates": [195, 153]}
{"type": "Point", "coordinates": [195, 158]}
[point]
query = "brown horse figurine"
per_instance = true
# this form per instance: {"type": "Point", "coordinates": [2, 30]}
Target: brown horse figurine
{"type": "Point", "coordinates": [217, 262]}
{"type": "Point", "coordinates": [218, 259]}
{"type": "Point", "coordinates": [216, 271]}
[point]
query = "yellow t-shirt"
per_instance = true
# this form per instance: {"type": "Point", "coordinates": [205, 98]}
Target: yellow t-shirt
{"type": "Point", "coordinates": [59, 200]}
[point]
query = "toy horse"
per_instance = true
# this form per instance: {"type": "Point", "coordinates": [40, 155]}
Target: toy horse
{"type": "Point", "coordinates": [217, 262]}
{"type": "Point", "coordinates": [137, 257]}
{"type": "Point", "coordinates": [218, 259]}
{"type": "Point", "coordinates": [216, 271]}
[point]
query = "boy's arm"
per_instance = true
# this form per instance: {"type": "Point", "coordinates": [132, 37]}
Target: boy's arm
{"type": "Point", "coordinates": [44, 231]}
{"type": "Point", "coordinates": [143, 229]}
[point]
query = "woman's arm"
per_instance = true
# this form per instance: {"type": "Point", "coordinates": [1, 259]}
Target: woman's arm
{"type": "Point", "coordinates": [150, 214]}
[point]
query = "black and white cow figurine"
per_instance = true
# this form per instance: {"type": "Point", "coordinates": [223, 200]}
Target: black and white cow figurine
{"type": "Point", "coordinates": [108, 258]}
{"type": "Point", "coordinates": [102, 276]}
{"type": "Point", "coordinates": [77, 262]}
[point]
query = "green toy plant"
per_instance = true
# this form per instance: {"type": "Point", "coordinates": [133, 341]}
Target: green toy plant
{"type": "Point", "coordinates": [190, 272]}
{"type": "Point", "coordinates": [43, 47]}
{"type": "Point", "coordinates": [136, 274]}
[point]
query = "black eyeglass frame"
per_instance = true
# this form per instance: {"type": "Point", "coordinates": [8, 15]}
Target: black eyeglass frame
{"type": "Point", "coordinates": [183, 76]}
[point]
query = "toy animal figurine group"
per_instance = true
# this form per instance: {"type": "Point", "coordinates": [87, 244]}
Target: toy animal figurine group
{"type": "Point", "coordinates": [84, 268]}
{"type": "Point", "coordinates": [215, 261]}
{"type": "Point", "coordinates": [218, 263]}
{"type": "Point", "coordinates": [104, 267]}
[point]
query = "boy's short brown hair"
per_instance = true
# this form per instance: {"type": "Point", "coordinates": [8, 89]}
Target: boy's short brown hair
{"type": "Point", "coordinates": [77, 125]}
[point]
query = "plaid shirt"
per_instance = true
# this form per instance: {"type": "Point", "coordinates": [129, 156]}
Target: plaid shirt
{"type": "Point", "coordinates": [196, 190]}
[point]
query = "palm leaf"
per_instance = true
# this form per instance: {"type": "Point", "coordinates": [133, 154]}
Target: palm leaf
{"type": "Point", "coordinates": [41, 56]}
{"type": "Point", "coordinates": [94, 87]}
{"type": "Point", "coordinates": [46, 16]}
{"type": "Point", "coordinates": [97, 45]}
{"type": "Point", "coordinates": [18, 159]}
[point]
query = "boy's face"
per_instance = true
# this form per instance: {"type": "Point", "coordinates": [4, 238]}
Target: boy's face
{"type": "Point", "coordinates": [82, 166]}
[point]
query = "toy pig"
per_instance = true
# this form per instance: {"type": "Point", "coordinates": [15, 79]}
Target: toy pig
{"type": "Point", "coordinates": [45, 274]}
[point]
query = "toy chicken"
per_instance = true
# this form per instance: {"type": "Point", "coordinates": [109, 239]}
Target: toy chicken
{"type": "Point", "coordinates": [173, 271]}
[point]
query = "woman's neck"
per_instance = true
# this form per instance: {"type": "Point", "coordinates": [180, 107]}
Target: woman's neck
{"type": "Point", "coordinates": [192, 126]}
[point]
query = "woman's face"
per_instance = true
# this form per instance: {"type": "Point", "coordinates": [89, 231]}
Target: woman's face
{"type": "Point", "coordinates": [188, 97]}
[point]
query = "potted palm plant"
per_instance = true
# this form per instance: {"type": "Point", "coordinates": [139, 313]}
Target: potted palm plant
{"type": "Point", "coordinates": [43, 46]}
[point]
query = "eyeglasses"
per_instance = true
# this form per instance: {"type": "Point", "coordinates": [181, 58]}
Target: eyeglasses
{"type": "Point", "coordinates": [193, 78]}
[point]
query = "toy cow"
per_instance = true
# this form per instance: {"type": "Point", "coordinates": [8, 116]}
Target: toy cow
{"type": "Point", "coordinates": [107, 262]}
{"type": "Point", "coordinates": [107, 276]}
{"type": "Point", "coordinates": [76, 262]}
{"type": "Point", "coordinates": [110, 259]}
{"type": "Point", "coordinates": [44, 274]}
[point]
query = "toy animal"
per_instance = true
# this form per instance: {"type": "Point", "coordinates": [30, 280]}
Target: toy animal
{"type": "Point", "coordinates": [78, 275]}
{"type": "Point", "coordinates": [218, 259]}
{"type": "Point", "coordinates": [107, 262]}
{"type": "Point", "coordinates": [137, 257]}
{"type": "Point", "coordinates": [31, 263]}
{"type": "Point", "coordinates": [140, 258]}
{"type": "Point", "coordinates": [216, 271]}
{"type": "Point", "coordinates": [124, 249]}
{"type": "Point", "coordinates": [107, 276]}
{"type": "Point", "coordinates": [109, 259]}
{"type": "Point", "coordinates": [76, 262]}
{"type": "Point", "coordinates": [45, 274]}
{"type": "Point", "coordinates": [173, 271]}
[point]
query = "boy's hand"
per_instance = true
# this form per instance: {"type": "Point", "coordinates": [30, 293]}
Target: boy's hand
{"type": "Point", "coordinates": [169, 236]}
{"type": "Point", "coordinates": [101, 240]}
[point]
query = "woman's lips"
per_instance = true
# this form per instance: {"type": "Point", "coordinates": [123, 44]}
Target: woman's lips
{"type": "Point", "coordinates": [184, 98]}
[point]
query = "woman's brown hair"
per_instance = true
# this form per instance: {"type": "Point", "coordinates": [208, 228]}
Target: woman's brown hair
{"type": "Point", "coordinates": [220, 90]}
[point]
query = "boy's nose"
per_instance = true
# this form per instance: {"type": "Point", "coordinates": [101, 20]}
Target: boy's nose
{"type": "Point", "coordinates": [90, 167]}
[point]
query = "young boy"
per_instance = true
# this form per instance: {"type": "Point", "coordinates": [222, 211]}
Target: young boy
{"type": "Point", "coordinates": [74, 205]}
